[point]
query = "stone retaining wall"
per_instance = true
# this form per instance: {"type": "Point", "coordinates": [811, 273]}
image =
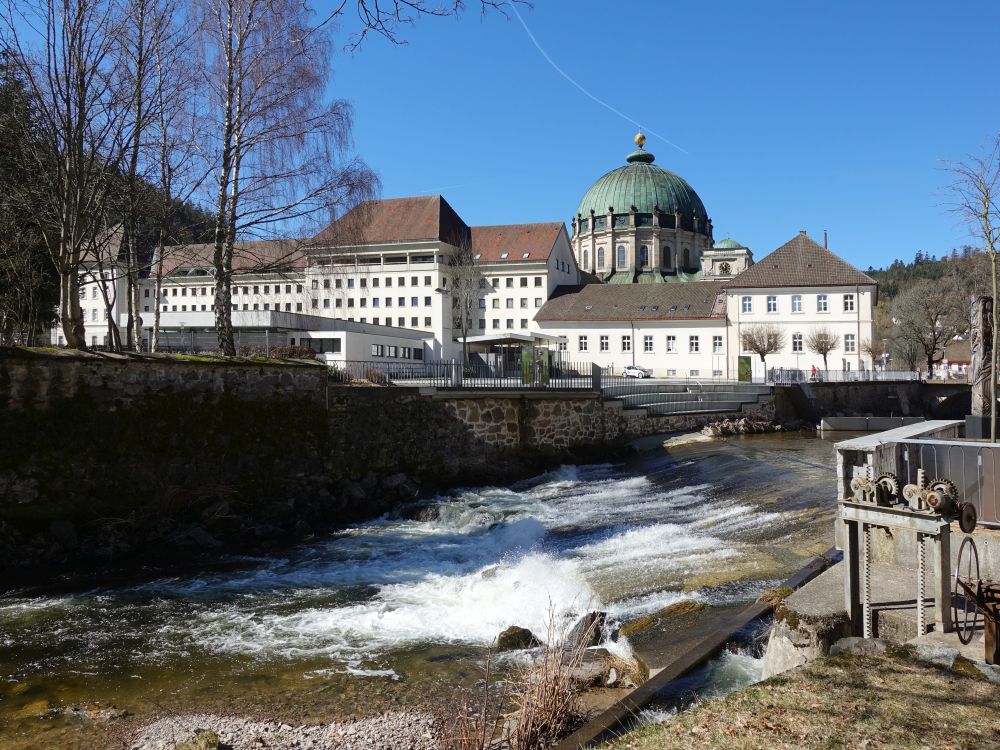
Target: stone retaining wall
{"type": "Point", "coordinates": [103, 457]}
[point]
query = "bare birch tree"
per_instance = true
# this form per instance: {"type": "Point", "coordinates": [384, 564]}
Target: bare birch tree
{"type": "Point", "coordinates": [929, 316]}
{"type": "Point", "coordinates": [822, 341]}
{"type": "Point", "coordinates": [762, 340]}
{"type": "Point", "coordinates": [70, 74]}
{"type": "Point", "coordinates": [975, 193]}
{"type": "Point", "coordinates": [467, 285]}
{"type": "Point", "coordinates": [277, 152]}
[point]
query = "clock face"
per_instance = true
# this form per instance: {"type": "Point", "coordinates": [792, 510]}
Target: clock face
{"type": "Point", "coordinates": [724, 268]}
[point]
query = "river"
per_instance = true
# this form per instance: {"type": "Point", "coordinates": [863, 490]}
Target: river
{"type": "Point", "coordinates": [398, 611]}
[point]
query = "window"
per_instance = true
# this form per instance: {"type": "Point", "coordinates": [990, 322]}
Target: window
{"type": "Point", "coordinates": [796, 303]}
{"type": "Point", "coordinates": [315, 304]}
{"type": "Point", "coordinates": [364, 283]}
{"type": "Point", "coordinates": [796, 342]}
{"type": "Point", "coordinates": [315, 285]}
{"type": "Point", "coordinates": [538, 301]}
{"type": "Point", "coordinates": [496, 323]}
{"type": "Point", "coordinates": [496, 304]}
{"type": "Point", "coordinates": [388, 301]}
{"type": "Point", "coordinates": [694, 373]}
{"type": "Point", "coordinates": [643, 256]}
{"type": "Point", "coordinates": [427, 322]}
{"type": "Point", "coordinates": [401, 322]}
{"type": "Point", "coordinates": [350, 283]}
{"type": "Point", "coordinates": [378, 350]}
{"type": "Point", "coordinates": [401, 281]}
{"type": "Point", "coordinates": [326, 303]}
{"type": "Point", "coordinates": [603, 344]}
{"type": "Point", "coordinates": [746, 304]}
{"type": "Point", "coordinates": [392, 351]}
{"type": "Point", "coordinates": [388, 282]}
{"type": "Point", "coordinates": [363, 302]}
{"type": "Point", "coordinates": [414, 281]}
{"type": "Point", "coordinates": [267, 305]}
{"type": "Point", "coordinates": [772, 303]}
{"type": "Point", "coordinates": [647, 343]}
{"type": "Point", "coordinates": [510, 322]}
{"type": "Point", "coordinates": [671, 373]}
{"type": "Point", "coordinates": [821, 303]}
{"type": "Point", "coordinates": [524, 303]}
{"type": "Point", "coordinates": [267, 289]}
{"type": "Point", "coordinates": [538, 281]}
{"type": "Point", "coordinates": [849, 343]}
{"type": "Point", "coordinates": [510, 303]}
{"type": "Point", "coordinates": [582, 343]}
{"type": "Point", "coordinates": [600, 257]}
{"type": "Point", "coordinates": [414, 301]}
{"type": "Point", "coordinates": [524, 281]}
{"type": "Point", "coordinates": [694, 346]}
{"type": "Point", "coordinates": [621, 256]}
{"type": "Point", "coordinates": [848, 303]}
{"type": "Point", "coordinates": [413, 322]}
{"type": "Point", "coordinates": [288, 288]}
{"type": "Point", "coordinates": [427, 280]}
{"type": "Point", "coordinates": [482, 324]}
{"type": "Point", "coordinates": [482, 303]}
{"type": "Point", "coordinates": [524, 322]}
{"type": "Point", "coordinates": [716, 344]}
{"type": "Point", "coordinates": [298, 306]}
{"type": "Point", "coordinates": [298, 289]}
{"type": "Point", "coordinates": [496, 283]}
{"type": "Point", "coordinates": [145, 292]}
{"type": "Point", "coordinates": [671, 343]}
{"type": "Point", "coordinates": [326, 285]}
{"type": "Point", "coordinates": [93, 314]}
{"type": "Point", "coordinates": [626, 343]}
{"type": "Point", "coordinates": [510, 283]}
{"type": "Point", "coordinates": [563, 345]}
{"type": "Point", "coordinates": [427, 301]}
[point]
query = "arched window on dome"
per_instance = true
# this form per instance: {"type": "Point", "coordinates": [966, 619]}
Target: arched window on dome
{"type": "Point", "coordinates": [586, 258]}
{"type": "Point", "coordinates": [687, 258]}
{"type": "Point", "coordinates": [621, 256]}
{"type": "Point", "coordinates": [643, 256]}
{"type": "Point", "coordinates": [600, 258]}
{"type": "Point", "coordinates": [666, 258]}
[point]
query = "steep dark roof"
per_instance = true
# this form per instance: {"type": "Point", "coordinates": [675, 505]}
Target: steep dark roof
{"type": "Point", "coordinates": [694, 300]}
{"type": "Point", "coordinates": [427, 217]}
{"type": "Point", "coordinates": [800, 262]}
{"type": "Point", "coordinates": [261, 256]}
{"type": "Point", "coordinates": [537, 240]}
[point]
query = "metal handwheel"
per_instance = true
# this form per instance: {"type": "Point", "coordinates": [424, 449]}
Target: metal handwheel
{"type": "Point", "coordinates": [966, 617]}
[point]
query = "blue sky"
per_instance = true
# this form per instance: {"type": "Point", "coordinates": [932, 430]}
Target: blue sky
{"type": "Point", "coordinates": [791, 115]}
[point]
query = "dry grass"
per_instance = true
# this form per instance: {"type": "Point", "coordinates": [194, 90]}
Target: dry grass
{"type": "Point", "coordinates": [873, 702]}
{"type": "Point", "coordinates": [532, 709]}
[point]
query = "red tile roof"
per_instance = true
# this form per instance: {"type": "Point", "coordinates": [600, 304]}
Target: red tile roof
{"type": "Point", "coordinates": [537, 240]}
{"type": "Point", "coordinates": [599, 302]}
{"type": "Point", "coordinates": [800, 262]}
{"type": "Point", "coordinates": [260, 256]}
{"type": "Point", "coordinates": [427, 217]}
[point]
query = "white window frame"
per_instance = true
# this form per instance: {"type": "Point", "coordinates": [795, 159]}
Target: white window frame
{"type": "Point", "coordinates": [849, 303]}
{"type": "Point", "coordinates": [822, 303]}
{"type": "Point", "coordinates": [796, 303]}
{"type": "Point", "coordinates": [772, 303]}
{"type": "Point", "coordinates": [694, 345]}
{"type": "Point", "coordinates": [671, 344]}
{"type": "Point", "coordinates": [850, 344]}
{"type": "Point", "coordinates": [746, 304]}
{"type": "Point", "coordinates": [796, 343]}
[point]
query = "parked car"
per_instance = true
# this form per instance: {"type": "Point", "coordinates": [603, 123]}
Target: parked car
{"type": "Point", "coordinates": [634, 371]}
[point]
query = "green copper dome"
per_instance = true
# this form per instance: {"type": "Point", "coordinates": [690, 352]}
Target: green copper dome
{"type": "Point", "coordinates": [643, 185]}
{"type": "Point", "coordinates": [728, 244]}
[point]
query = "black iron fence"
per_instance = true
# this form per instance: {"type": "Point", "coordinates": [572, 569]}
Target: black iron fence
{"type": "Point", "coordinates": [454, 375]}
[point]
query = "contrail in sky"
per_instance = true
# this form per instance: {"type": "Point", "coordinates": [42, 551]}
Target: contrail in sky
{"type": "Point", "coordinates": [569, 78]}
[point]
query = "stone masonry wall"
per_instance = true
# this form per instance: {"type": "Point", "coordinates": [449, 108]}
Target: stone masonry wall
{"type": "Point", "coordinates": [108, 457]}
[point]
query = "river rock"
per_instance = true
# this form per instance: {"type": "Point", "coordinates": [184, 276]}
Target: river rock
{"type": "Point", "coordinates": [587, 631]}
{"type": "Point", "coordinates": [858, 646]}
{"type": "Point", "coordinates": [516, 638]}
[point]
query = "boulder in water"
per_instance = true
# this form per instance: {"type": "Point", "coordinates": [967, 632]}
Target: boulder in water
{"type": "Point", "coordinates": [587, 631]}
{"type": "Point", "coordinates": [516, 638]}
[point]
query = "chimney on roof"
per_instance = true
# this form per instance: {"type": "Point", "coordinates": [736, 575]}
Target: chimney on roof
{"type": "Point", "coordinates": [802, 231]}
{"type": "Point", "coordinates": [825, 245]}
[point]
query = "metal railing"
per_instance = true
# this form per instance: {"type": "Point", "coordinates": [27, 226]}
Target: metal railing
{"type": "Point", "coordinates": [661, 396]}
{"type": "Point", "coordinates": [790, 377]}
{"type": "Point", "coordinates": [973, 467]}
{"type": "Point", "coordinates": [454, 375]}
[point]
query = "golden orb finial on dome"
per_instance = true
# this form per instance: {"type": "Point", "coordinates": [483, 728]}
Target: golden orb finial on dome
{"type": "Point", "coordinates": [640, 139]}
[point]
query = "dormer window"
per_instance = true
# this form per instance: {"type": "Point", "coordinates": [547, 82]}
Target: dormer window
{"type": "Point", "coordinates": [477, 256]}
{"type": "Point", "coordinates": [525, 255]}
{"type": "Point", "coordinates": [503, 256]}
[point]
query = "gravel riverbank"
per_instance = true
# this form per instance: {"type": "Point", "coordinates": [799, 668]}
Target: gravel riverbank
{"type": "Point", "coordinates": [390, 731]}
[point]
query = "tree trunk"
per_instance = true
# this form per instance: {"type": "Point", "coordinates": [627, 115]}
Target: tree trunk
{"type": "Point", "coordinates": [993, 354]}
{"type": "Point", "coordinates": [70, 312]}
{"type": "Point", "coordinates": [154, 340]}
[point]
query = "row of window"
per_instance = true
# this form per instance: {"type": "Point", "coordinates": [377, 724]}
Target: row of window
{"type": "Point", "coordinates": [822, 303]}
{"type": "Point", "coordinates": [363, 282]}
{"type": "Point", "coordinates": [363, 302]}
{"type": "Point", "coordinates": [641, 261]}
{"type": "Point", "coordinates": [397, 352]}
{"type": "Point", "coordinates": [850, 343]}
{"type": "Point", "coordinates": [509, 282]}
{"type": "Point", "coordinates": [648, 344]}
{"type": "Point", "coordinates": [509, 303]}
